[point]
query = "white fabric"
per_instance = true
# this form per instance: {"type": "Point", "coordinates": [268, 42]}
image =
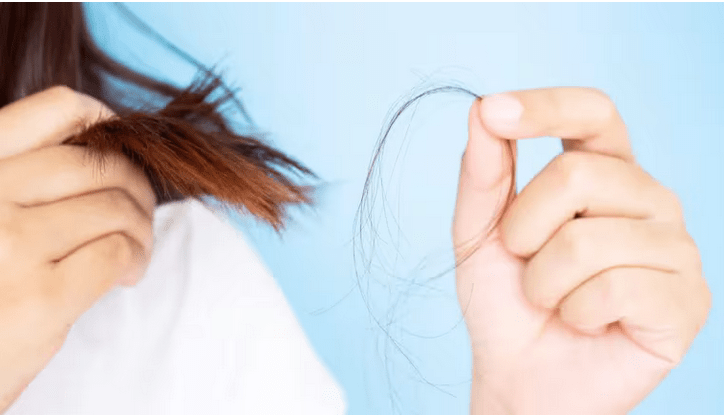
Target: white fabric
{"type": "Point", "coordinates": [207, 331]}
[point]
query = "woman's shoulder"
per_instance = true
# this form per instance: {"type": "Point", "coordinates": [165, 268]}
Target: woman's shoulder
{"type": "Point", "coordinates": [206, 330]}
{"type": "Point", "coordinates": [258, 340]}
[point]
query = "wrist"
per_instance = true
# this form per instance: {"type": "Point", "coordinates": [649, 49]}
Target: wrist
{"type": "Point", "coordinates": [485, 401]}
{"type": "Point", "coordinates": [487, 398]}
{"type": "Point", "coordinates": [500, 398]}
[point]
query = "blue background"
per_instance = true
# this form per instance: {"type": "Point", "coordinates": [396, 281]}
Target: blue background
{"type": "Point", "coordinates": [321, 79]}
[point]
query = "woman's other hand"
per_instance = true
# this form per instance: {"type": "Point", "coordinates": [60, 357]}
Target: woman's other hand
{"type": "Point", "coordinates": [590, 290]}
{"type": "Point", "coordinates": [69, 230]}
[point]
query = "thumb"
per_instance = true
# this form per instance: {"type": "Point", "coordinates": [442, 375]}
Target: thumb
{"type": "Point", "coordinates": [486, 184]}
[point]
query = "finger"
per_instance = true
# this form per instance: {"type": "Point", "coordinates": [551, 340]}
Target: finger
{"type": "Point", "coordinates": [585, 247]}
{"type": "Point", "coordinates": [486, 179]}
{"type": "Point", "coordinates": [600, 300]}
{"type": "Point", "coordinates": [80, 279]}
{"type": "Point", "coordinates": [660, 311]}
{"type": "Point", "coordinates": [63, 171]}
{"type": "Point", "coordinates": [47, 118]}
{"type": "Point", "coordinates": [60, 228]}
{"type": "Point", "coordinates": [585, 118]}
{"type": "Point", "coordinates": [577, 184]}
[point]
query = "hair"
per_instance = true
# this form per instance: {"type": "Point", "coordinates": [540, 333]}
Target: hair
{"type": "Point", "coordinates": [187, 148]}
{"type": "Point", "coordinates": [367, 236]}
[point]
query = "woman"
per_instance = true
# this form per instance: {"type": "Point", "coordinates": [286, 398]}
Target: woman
{"type": "Point", "coordinates": [590, 260]}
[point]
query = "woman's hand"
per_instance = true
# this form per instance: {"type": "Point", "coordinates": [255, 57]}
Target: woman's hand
{"type": "Point", "coordinates": [590, 289]}
{"type": "Point", "coordinates": [69, 231]}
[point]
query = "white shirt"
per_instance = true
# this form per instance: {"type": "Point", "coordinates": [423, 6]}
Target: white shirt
{"type": "Point", "coordinates": [207, 331]}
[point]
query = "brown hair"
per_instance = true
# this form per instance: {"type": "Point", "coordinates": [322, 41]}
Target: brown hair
{"type": "Point", "coordinates": [187, 148]}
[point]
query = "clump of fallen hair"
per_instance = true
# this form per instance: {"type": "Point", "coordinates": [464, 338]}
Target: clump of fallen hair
{"type": "Point", "coordinates": [184, 158]}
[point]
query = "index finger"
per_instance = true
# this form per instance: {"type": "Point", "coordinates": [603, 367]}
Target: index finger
{"type": "Point", "coordinates": [78, 281]}
{"type": "Point", "coordinates": [584, 118]}
{"type": "Point", "coordinates": [46, 118]}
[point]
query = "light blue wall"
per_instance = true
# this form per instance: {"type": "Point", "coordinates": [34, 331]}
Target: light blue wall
{"type": "Point", "coordinates": [322, 77]}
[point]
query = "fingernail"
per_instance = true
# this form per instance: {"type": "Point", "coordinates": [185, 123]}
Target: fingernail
{"type": "Point", "coordinates": [501, 111]}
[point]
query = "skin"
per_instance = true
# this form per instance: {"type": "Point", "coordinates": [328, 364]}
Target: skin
{"type": "Point", "coordinates": [69, 231]}
{"type": "Point", "coordinates": [590, 289]}
{"type": "Point", "coordinates": [582, 299]}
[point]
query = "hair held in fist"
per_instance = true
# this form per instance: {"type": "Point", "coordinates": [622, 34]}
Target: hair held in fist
{"type": "Point", "coordinates": [186, 147]}
{"type": "Point", "coordinates": [184, 159]}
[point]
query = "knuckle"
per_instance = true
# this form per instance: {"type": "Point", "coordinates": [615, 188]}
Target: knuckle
{"type": "Point", "coordinates": [708, 301]}
{"type": "Point", "coordinates": [672, 206]}
{"type": "Point", "coordinates": [706, 298]}
{"type": "Point", "coordinates": [75, 102]}
{"type": "Point", "coordinates": [108, 169]}
{"type": "Point", "coordinates": [108, 205]}
{"type": "Point", "coordinates": [117, 249]}
{"type": "Point", "coordinates": [604, 105]}
{"type": "Point", "coordinates": [510, 236]}
{"type": "Point", "coordinates": [65, 97]}
{"type": "Point", "coordinates": [690, 256]}
{"type": "Point", "coordinates": [531, 285]}
{"type": "Point", "coordinates": [139, 181]}
{"type": "Point", "coordinates": [537, 286]}
{"type": "Point", "coordinates": [128, 217]}
{"type": "Point", "coordinates": [120, 209]}
{"type": "Point", "coordinates": [10, 230]}
{"type": "Point", "coordinates": [62, 91]}
{"type": "Point", "coordinates": [573, 169]}
{"type": "Point", "coordinates": [699, 301]}
{"type": "Point", "coordinates": [118, 201]}
{"type": "Point", "coordinates": [574, 241]}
